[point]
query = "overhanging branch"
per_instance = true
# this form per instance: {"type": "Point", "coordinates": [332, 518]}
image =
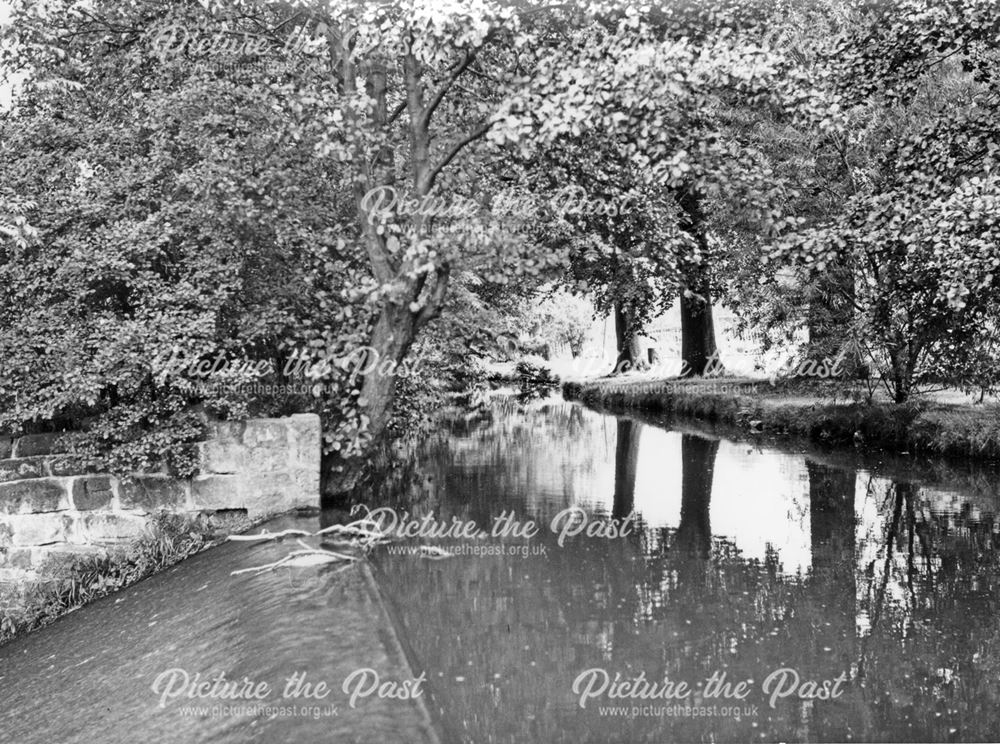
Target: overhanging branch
{"type": "Point", "coordinates": [446, 86]}
{"type": "Point", "coordinates": [477, 133]}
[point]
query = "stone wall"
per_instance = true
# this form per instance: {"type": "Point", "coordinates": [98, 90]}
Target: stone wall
{"type": "Point", "coordinates": [51, 513]}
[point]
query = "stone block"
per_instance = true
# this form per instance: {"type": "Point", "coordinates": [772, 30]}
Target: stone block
{"type": "Point", "coordinates": [150, 493]}
{"type": "Point", "coordinates": [38, 529]}
{"type": "Point", "coordinates": [33, 496]}
{"type": "Point", "coordinates": [273, 493]}
{"type": "Point", "coordinates": [221, 456]}
{"type": "Point", "coordinates": [104, 528]}
{"type": "Point", "coordinates": [31, 445]}
{"type": "Point", "coordinates": [266, 442]}
{"type": "Point", "coordinates": [21, 468]}
{"type": "Point", "coordinates": [272, 485]}
{"type": "Point", "coordinates": [6, 535]}
{"type": "Point", "coordinates": [68, 465]}
{"type": "Point", "coordinates": [215, 492]}
{"type": "Point", "coordinates": [265, 493]}
{"type": "Point", "coordinates": [307, 484]}
{"type": "Point", "coordinates": [91, 492]}
{"type": "Point", "coordinates": [266, 431]}
{"type": "Point", "coordinates": [9, 577]}
{"type": "Point", "coordinates": [266, 458]}
{"type": "Point", "coordinates": [305, 441]}
{"type": "Point", "coordinates": [6, 446]}
{"type": "Point", "coordinates": [226, 431]}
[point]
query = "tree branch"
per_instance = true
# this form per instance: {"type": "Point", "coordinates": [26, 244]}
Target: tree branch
{"type": "Point", "coordinates": [378, 254]}
{"type": "Point", "coordinates": [432, 307]}
{"type": "Point", "coordinates": [477, 133]}
{"type": "Point", "coordinates": [446, 86]}
{"type": "Point", "coordinates": [396, 112]}
{"type": "Point", "coordinates": [419, 141]}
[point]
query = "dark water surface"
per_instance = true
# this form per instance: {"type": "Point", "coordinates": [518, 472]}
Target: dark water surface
{"type": "Point", "coordinates": [744, 559]}
{"type": "Point", "coordinates": [748, 560]}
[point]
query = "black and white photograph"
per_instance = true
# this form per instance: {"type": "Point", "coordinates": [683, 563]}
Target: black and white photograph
{"type": "Point", "coordinates": [499, 371]}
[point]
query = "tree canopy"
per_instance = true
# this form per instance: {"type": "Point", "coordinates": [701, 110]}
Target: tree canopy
{"type": "Point", "coordinates": [245, 181]}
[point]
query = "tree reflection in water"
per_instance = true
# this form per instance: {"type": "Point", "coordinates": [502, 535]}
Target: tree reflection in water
{"type": "Point", "coordinates": [899, 591]}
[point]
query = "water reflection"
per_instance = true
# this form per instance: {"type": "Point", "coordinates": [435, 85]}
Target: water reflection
{"type": "Point", "coordinates": [748, 559]}
{"type": "Point", "coordinates": [626, 463]}
{"type": "Point", "coordinates": [694, 533]}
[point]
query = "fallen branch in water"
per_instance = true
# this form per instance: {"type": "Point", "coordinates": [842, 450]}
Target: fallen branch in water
{"type": "Point", "coordinates": [366, 527]}
{"type": "Point", "coordinates": [362, 534]}
{"type": "Point", "coordinates": [264, 535]}
{"type": "Point", "coordinates": [365, 532]}
{"type": "Point", "coordinates": [306, 557]}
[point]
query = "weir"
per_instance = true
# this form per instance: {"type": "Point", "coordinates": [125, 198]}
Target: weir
{"type": "Point", "coordinates": [92, 676]}
{"type": "Point", "coordinates": [52, 511]}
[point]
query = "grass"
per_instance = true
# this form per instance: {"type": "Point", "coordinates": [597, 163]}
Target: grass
{"type": "Point", "coordinates": [171, 539]}
{"type": "Point", "coordinates": [827, 412]}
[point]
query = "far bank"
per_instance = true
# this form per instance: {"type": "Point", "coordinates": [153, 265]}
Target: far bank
{"type": "Point", "coordinates": [827, 412]}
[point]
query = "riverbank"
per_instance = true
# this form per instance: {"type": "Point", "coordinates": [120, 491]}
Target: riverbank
{"type": "Point", "coordinates": [83, 579]}
{"type": "Point", "coordinates": [820, 411]}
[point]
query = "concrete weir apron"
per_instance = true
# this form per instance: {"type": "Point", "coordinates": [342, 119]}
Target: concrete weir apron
{"type": "Point", "coordinates": [101, 673]}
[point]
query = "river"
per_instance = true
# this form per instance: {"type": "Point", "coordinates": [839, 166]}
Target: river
{"type": "Point", "coordinates": [793, 594]}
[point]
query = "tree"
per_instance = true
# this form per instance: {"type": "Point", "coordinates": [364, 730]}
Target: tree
{"type": "Point", "coordinates": [381, 105]}
{"type": "Point", "coordinates": [668, 88]}
{"type": "Point", "coordinates": [173, 217]}
{"type": "Point", "coordinates": [621, 239]}
{"type": "Point", "coordinates": [402, 116]}
{"type": "Point", "coordinates": [918, 81]}
{"type": "Point", "coordinates": [563, 319]}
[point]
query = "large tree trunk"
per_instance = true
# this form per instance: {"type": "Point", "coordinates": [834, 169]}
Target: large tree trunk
{"type": "Point", "coordinates": [901, 375]}
{"type": "Point", "coordinates": [698, 348]}
{"type": "Point", "coordinates": [418, 295]}
{"type": "Point", "coordinates": [629, 347]}
{"type": "Point", "coordinates": [394, 333]}
{"type": "Point", "coordinates": [903, 355]}
{"type": "Point", "coordinates": [391, 339]}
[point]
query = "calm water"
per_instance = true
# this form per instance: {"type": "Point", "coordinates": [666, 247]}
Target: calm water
{"type": "Point", "coordinates": [744, 560]}
{"type": "Point", "coordinates": [749, 559]}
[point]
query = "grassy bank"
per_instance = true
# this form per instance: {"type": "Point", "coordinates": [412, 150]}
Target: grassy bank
{"type": "Point", "coordinates": [171, 539]}
{"type": "Point", "coordinates": [819, 411]}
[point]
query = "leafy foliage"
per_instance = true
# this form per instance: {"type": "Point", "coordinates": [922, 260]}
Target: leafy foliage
{"type": "Point", "coordinates": [332, 176]}
{"type": "Point", "coordinates": [916, 231]}
{"type": "Point", "coordinates": [173, 215]}
{"type": "Point", "coordinates": [563, 320]}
